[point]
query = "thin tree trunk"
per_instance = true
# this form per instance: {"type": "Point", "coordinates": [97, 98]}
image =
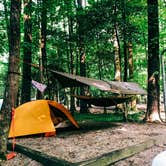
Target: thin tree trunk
{"type": "Point", "coordinates": [100, 66]}
{"type": "Point", "coordinates": [72, 100]}
{"type": "Point", "coordinates": [69, 39]}
{"type": "Point", "coordinates": [67, 46]}
{"type": "Point", "coordinates": [116, 58]}
{"type": "Point", "coordinates": [43, 33]}
{"type": "Point", "coordinates": [99, 58]}
{"type": "Point", "coordinates": [41, 74]}
{"type": "Point", "coordinates": [131, 72]}
{"type": "Point", "coordinates": [83, 90]}
{"type": "Point", "coordinates": [130, 60]}
{"type": "Point", "coordinates": [10, 95]}
{"type": "Point", "coordinates": [39, 95]}
{"type": "Point", "coordinates": [153, 63]}
{"type": "Point", "coordinates": [83, 105]}
{"type": "Point", "coordinates": [124, 41]}
{"type": "Point", "coordinates": [44, 42]}
{"type": "Point", "coordinates": [42, 52]}
{"type": "Point", "coordinates": [27, 58]}
{"type": "Point", "coordinates": [116, 45]}
{"type": "Point", "coordinates": [6, 17]}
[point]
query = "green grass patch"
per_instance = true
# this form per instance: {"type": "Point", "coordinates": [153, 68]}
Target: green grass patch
{"type": "Point", "coordinates": [109, 117]}
{"type": "Point", "coordinates": [99, 117]}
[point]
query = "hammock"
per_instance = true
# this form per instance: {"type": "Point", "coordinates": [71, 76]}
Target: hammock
{"type": "Point", "coordinates": [104, 101]}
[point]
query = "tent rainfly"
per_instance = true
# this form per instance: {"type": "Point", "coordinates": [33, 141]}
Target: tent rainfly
{"type": "Point", "coordinates": [38, 116]}
{"type": "Point", "coordinates": [70, 80]}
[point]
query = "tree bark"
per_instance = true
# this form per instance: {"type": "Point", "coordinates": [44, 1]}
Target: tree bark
{"type": "Point", "coordinates": [83, 105]}
{"type": "Point", "coordinates": [70, 48]}
{"type": "Point", "coordinates": [10, 94]}
{"type": "Point", "coordinates": [44, 35]}
{"type": "Point", "coordinates": [116, 47]}
{"type": "Point", "coordinates": [6, 17]}
{"type": "Point", "coordinates": [153, 63]}
{"type": "Point", "coordinates": [130, 60]}
{"type": "Point", "coordinates": [42, 52]}
{"type": "Point", "coordinates": [117, 66]}
{"type": "Point", "coordinates": [27, 57]}
{"type": "Point", "coordinates": [124, 41]}
{"type": "Point", "coordinates": [72, 99]}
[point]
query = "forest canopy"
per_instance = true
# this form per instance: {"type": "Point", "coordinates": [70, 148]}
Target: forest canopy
{"type": "Point", "coordinates": [100, 22]}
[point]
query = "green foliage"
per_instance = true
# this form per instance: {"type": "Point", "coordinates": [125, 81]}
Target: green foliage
{"type": "Point", "coordinates": [99, 117]}
{"type": "Point", "coordinates": [98, 22]}
{"type": "Point", "coordinates": [162, 21]}
{"type": "Point", "coordinates": [3, 73]}
{"type": "Point", "coordinates": [3, 34]}
{"type": "Point", "coordinates": [109, 117]}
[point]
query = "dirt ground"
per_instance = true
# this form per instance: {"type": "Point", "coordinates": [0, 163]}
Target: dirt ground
{"type": "Point", "coordinates": [94, 139]}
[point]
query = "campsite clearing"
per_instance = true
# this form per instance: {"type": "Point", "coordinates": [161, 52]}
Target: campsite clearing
{"type": "Point", "coordinates": [95, 139]}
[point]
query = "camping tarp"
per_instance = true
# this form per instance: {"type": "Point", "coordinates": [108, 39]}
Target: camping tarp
{"type": "Point", "coordinates": [129, 88]}
{"type": "Point", "coordinates": [38, 116]}
{"type": "Point", "coordinates": [70, 80]}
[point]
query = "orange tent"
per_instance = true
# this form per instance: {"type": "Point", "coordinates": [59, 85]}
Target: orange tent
{"type": "Point", "coordinates": [38, 116]}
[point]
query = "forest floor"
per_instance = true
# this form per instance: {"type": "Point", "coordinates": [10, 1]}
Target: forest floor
{"type": "Point", "coordinates": [94, 139]}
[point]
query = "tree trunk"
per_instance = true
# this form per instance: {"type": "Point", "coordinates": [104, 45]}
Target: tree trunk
{"type": "Point", "coordinates": [27, 58]}
{"type": "Point", "coordinates": [116, 47]}
{"type": "Point", "coordinates": [83, 90]}
{"type": "Point", "coordinates": [42, 52]}
{"type": "Point", "coordinates": [100, 66]}
{"type": "Point", "coordinates": [153, 62]}
{"type": "Point", "coordinates": [44, 41]}
{"type": "Point", "coordinates": [43, 32]}
{"type": "Point", "coordinates": [70, 51]}
{"type": "Point", "coordinates": [6, 17]}
{"type": "Point", "coordinates": [41, 74]}
{"type": "Point", "coordinates": [130, 60]}
{"type": "Point", "coordinates": [117, 76]}
{"type": "Point", "coordinates": [72, 99]}
{"type": "Point", "coordinates": [13, 76]}
{"type": "Point", "coordinates": [100, 59]}
{"type": "Point", "coordinates": [124, 41]}
{"type": "Point", "coordinates": [83, 105]}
